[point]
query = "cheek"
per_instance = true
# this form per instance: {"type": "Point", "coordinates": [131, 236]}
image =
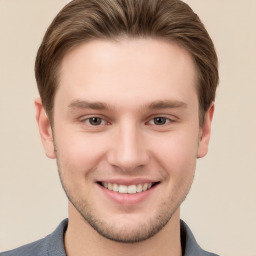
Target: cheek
{"type": "Point", "coordinates": [78, 153]}
{"type": "Point", "coordinates": [177, 153]}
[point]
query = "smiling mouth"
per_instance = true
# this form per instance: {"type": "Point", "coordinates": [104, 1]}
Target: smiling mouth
{"type": "Point", "coordinates": [131, 189]}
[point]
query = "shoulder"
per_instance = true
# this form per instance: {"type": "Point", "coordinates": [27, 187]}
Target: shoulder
{"type": "Point", "coordinates": [36, 248]}
{"type": "Point", "coordinates": [190, 246]}
{"type": "Point", "coordinates": [51, 245]}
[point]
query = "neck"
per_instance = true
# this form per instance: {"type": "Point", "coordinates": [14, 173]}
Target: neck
{"type": "Point", "coordinates": [81, 239]}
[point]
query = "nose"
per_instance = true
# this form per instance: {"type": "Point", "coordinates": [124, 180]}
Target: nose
{"type": "Point", "coordinates": [128, 150]}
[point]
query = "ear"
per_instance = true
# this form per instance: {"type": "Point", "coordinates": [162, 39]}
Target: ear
{"type": "Point", "coordinates": [45, 129]}
{"type": "Point", "coordinates": [205, 133]}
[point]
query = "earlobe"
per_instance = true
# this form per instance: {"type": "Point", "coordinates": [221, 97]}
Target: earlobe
{"type": "Point", "coordinates": [205, 133]}
{"type": "Point", "coordinates": [45, 129]}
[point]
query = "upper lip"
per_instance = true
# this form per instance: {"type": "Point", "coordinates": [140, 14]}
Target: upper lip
{"type": "Point", "coordinates": [121, 181]}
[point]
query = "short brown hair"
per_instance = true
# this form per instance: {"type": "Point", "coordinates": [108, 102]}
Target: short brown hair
{"type": "Point", "coordinates": [84, 20]}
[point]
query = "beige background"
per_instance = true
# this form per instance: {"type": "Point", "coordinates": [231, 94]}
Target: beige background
{"type": "Point", "coordinates": [221, 208]}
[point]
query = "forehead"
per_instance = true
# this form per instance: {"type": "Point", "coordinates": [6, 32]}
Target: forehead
{"type": "Point", "coordinates": [113, 72]}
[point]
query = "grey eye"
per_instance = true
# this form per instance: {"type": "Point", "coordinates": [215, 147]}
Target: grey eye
{"type": "Point", "coordinates": [160, 120]}
{"type": "Point", "coordinates": [94, 121]}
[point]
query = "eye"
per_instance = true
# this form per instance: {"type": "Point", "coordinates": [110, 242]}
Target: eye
{"type": "Point", "coordinates": [95, 121]}
{"type": "Point", "coordinates": [159, 120]}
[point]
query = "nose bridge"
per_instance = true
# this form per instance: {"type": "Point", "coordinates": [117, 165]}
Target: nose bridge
{"type": "Point", "coordinates": [128, 151]}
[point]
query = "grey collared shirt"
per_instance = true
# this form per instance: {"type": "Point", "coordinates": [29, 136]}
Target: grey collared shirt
{"type": "Point", "coordinates": [53, 245]}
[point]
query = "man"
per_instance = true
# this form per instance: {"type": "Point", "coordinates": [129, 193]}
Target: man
{"type": "Point", "coordinates": [127, 92]}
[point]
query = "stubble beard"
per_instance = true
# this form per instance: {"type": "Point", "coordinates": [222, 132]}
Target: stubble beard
{"type": "Point", "coordinates": [119, 234]}
{"type": "Point", "coordinates": [124, 234]}
{"type": "Point", "coordinates": [142, 232]}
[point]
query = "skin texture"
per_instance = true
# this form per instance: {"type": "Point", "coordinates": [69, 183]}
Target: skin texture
{"type": "Point", "coordinates": [135, 81]}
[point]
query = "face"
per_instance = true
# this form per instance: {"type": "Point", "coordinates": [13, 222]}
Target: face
{"type": "Point", "coordinates": [126, 134]}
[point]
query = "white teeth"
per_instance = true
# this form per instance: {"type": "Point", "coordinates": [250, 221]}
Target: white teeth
{"type": "Point", "coordinates": [131, 189]}
{"type": "Point", "coordinates": [115, 187]}
{"type": "Point", "coordinates": [145, 186]}
{"type": "Point", "coordinates": [123, 189]}
{"type": "Point", "coordinates": [139, 188]}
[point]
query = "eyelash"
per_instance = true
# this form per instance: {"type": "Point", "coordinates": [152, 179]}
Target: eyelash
{"type": "Point", "coordinates": [158, 117]}
{"type": "Point", "coordinates": [87, 120]}
{"type": "Point", "coordinates": [165, 119]}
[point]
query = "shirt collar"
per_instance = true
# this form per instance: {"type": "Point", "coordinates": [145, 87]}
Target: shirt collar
{"type": "Point", "coordinates": [55, 243]}
{"type": "Point", "coordinates": [190, 247]}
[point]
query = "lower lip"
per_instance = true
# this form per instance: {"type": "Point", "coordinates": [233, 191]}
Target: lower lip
{"type": "Point", "coordinates": [128, 199]}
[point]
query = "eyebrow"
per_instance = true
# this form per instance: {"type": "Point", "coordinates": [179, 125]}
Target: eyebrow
{"type": "Point", "coordinates": [83, 104]}
{"type": "Point", "coordinates": [160, 104]}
